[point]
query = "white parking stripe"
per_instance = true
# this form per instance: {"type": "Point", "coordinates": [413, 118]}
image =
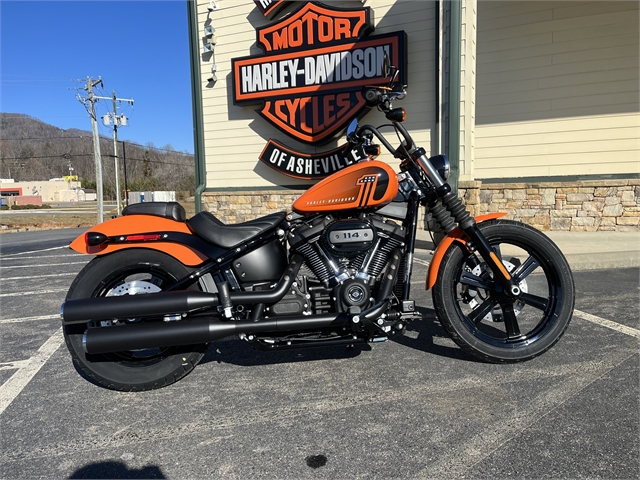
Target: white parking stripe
{"type": "Point", "coordinates": [7, 267]}
{"type": "Point", "coordinates": [422, 262]}
{"type": "Point", "coordinates": [39, 292]}
{"type": "Point", "coordinates": [607, 323]}
{"type": "Point", "coordinates": [14, 365]}
{"type": "Point", "coordinates": [38, 276]}
{"type": "Point", "coordinates": [34, 251]}
{"type": "Point", "coordinates": [28, 319]}
{"type": "Point", "coordinates": [40, 256]}
{"type": "Point", "coordinates": [16, 383]}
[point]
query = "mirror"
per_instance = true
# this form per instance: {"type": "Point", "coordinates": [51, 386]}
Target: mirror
{"type": "Point", "coordinates": [353, 126]}
{"type": "Point", "coordinates": [386, 65]}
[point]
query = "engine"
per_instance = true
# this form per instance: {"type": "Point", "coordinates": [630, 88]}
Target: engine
{"type": "Point", "coordinates": [344, 259]}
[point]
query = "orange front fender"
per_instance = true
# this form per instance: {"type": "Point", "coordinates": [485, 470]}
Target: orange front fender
{"type": "Point", "coordinates": [138, 224]}
{"type": "Point", "coordinates": [456, 235]}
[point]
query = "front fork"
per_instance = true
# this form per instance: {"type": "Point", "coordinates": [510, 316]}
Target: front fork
{"type": "Point", "coordinates": [447, 209]}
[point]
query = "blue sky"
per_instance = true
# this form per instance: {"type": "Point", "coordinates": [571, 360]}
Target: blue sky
{"type": "Point", "coordinates": [139, 48]}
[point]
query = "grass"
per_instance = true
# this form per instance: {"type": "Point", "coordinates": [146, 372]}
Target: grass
{"type": "Point", "coordinates": [60, 219]}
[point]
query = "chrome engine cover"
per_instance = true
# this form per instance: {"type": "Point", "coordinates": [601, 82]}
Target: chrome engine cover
{"type": "Point", "coordinates": [349, 237]}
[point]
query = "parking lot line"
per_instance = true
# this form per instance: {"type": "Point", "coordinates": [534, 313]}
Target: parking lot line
{"type": "Point", "coordinates": [28, 319]}
{"type": "Point", "coordinates": [39, 276]}
{"type": "Point", "coordinates": [41, 256]}
{"type": "Point", "coordinates": [607, 323]}
{"type": "Point", "coordinates": [16, 383]}
{"type": "Point", "coordinates": [38, 292]}
{"type": "Point", "coordinates": [35, 251]}
{"type": "Point", "coordinates": [45, 265]}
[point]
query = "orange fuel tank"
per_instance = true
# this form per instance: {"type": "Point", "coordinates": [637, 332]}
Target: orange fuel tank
{"type": "Point", "coordinates": [363, 185]}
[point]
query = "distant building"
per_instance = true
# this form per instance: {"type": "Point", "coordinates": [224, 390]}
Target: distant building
{"type": "Point", "coordinates": [56, 190]}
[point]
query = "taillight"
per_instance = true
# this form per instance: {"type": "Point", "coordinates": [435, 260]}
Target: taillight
{"type": "Point", "coordinates": [147, 237]}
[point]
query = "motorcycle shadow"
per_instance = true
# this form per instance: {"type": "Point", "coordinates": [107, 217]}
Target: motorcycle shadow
{"type": "Point", "coordinates": [238, 352]}
{"type": "Point", "coordinates": [427, 335]}
{"type": "Point", "coordinates": [419, 335]}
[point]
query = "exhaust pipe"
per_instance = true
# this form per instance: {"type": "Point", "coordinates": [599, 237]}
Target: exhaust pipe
{"type": "Point", "coordinates": [189, 332]}
{"type": "Point", "coordinates": [172, 302]}
{"type": "Point", "coordinates": [130, 306]}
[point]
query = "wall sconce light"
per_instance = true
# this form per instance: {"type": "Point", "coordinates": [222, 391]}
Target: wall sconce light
{"type": "Point", "coordinates": [213, 77]}
{"type": "Point", "coordinates": [208, 46]}
{"type": "Point", "coordinates": [209, 30]}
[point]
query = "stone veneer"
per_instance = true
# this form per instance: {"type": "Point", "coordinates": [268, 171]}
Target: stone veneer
{"type": "Point", "coordinates": [590, 205]}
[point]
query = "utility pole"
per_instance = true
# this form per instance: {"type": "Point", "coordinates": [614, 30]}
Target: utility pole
{"type": "Point", "coordinates": [91, 99]}
{"type": "Point", "coordinates": [118, 120]}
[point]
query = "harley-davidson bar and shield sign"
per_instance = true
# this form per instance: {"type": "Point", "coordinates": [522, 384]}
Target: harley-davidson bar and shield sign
{"type": "Point", "coordinates": [310, 79]}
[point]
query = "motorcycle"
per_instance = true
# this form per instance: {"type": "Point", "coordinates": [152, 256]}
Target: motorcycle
{"type": "Point", "coordinates": [334, 271]}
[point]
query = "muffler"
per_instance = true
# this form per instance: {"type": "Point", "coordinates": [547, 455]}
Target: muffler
{"type": "Point", "coordinates": [189, 332]}
{"type": "Point", "coordinates": [132, 306]}
{"type": "Point", "coordinates": [173, 302]}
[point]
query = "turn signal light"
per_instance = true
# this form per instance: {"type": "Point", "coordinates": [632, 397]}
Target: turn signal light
{"type": "Point", "coordinates": [93, 239]}
{"type": "Point", "coordinates": [372, 150]}
{"type": "Point", "coordinates": [397, 114]}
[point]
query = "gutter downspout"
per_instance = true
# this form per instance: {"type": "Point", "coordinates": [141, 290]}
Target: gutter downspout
{"type": "Point", "coordinates": [438, 79]}
{"type": "Point", "coordinates": [455, 41]}
{"type": "Point", "coordinates": [196, 98]}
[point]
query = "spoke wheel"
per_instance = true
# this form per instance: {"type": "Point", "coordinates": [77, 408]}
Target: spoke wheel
{"type": "Point", "coordinates": [129, 272]}
{"type": "Point", "coordinates": [484, 321]}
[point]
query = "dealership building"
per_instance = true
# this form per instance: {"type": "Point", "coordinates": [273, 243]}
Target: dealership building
{"type": "Point", "coordinates": [536, 103]}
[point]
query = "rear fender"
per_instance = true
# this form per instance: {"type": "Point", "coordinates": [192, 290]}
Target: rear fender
{"type": "Point", "coordinates": [456, 235]}
{"type": "Point", "coordinates": [142, 224]}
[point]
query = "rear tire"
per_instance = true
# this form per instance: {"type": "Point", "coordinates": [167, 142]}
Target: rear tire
{"type": "Point", "coordinates": [134, 271]}
{"type": "Point", "coordinates": [470, 308]}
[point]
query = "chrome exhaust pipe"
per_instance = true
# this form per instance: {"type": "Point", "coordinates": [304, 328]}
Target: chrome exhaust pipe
{"type": "Point", "coordinates": [189, 332]}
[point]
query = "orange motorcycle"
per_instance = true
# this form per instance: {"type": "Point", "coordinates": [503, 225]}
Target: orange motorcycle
{"type": "Point", "coordinates": [334, 271]}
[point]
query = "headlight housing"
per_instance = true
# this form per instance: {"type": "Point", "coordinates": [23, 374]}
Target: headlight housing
{"type": "Point", "coordinates": [442, 165]}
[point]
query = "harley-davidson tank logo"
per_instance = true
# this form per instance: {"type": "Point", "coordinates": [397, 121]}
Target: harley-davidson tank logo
{"type": "Point", "coordinates": [316, 62]}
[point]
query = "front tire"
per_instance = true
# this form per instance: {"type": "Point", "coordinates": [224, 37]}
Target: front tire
{"type": "Point", "coordinates": [129, 272]}
{"type": "Point", "coordinates": [478, 318]}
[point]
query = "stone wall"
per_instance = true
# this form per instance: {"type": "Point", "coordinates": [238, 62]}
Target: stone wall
{"type": "Point", "coordinates": [602, 205]}
{"type": "Point", "coordinates": [593, 205]}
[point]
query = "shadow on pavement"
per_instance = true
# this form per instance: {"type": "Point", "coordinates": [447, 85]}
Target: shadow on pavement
{"type": "Point", "coordinates": [113, 469]}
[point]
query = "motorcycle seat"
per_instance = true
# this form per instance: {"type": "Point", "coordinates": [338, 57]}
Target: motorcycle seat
{"type": "Point", "coordinates": [207, 226]}
{"type": "Point", "coordinates": [171, 210]}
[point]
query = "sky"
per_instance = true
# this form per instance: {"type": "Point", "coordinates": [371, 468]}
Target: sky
{"type": "Point", "coordinates": [140, 48]}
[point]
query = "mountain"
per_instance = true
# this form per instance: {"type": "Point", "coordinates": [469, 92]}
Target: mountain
{"type": "Point", "coordinates": [32, 150]}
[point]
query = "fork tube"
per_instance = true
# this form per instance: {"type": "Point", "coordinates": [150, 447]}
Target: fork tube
{"type": "Point", "coordinates": [411, 224]}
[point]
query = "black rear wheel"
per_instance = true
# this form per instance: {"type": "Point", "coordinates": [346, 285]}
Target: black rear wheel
{"type": "Point", "coordinates": [129, 272]}
{"type": "Point", "coordinates": [488, 324]}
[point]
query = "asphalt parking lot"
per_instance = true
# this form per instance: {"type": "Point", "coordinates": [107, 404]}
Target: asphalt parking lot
{"type": "Point", "coordinates": [415, 407]}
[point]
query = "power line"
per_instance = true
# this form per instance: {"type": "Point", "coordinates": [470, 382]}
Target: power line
{"type": "Point", "coordinates": [61, 156]}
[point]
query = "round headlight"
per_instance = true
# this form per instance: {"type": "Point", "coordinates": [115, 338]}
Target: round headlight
{"type": "Point", "coordinates": [442, 165]}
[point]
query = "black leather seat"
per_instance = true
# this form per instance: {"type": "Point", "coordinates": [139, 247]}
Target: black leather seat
{"type": "Point", "coordinates": [171, 210]}
{"type": "Point", "coordinates": [214, 231]}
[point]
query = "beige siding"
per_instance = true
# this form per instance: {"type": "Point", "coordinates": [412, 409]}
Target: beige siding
{"type": "Point", "coordinates": [468, 89]}
{"type": "Point", "coordinates": [235, 135]}
{"type": "Point", "coordinates": [557, 89]}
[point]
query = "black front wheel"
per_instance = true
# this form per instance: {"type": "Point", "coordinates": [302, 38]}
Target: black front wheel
{"type": "Point", "coordinates": [129, 272]}
{"type": "Point", "coordinates": [489, 325]}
